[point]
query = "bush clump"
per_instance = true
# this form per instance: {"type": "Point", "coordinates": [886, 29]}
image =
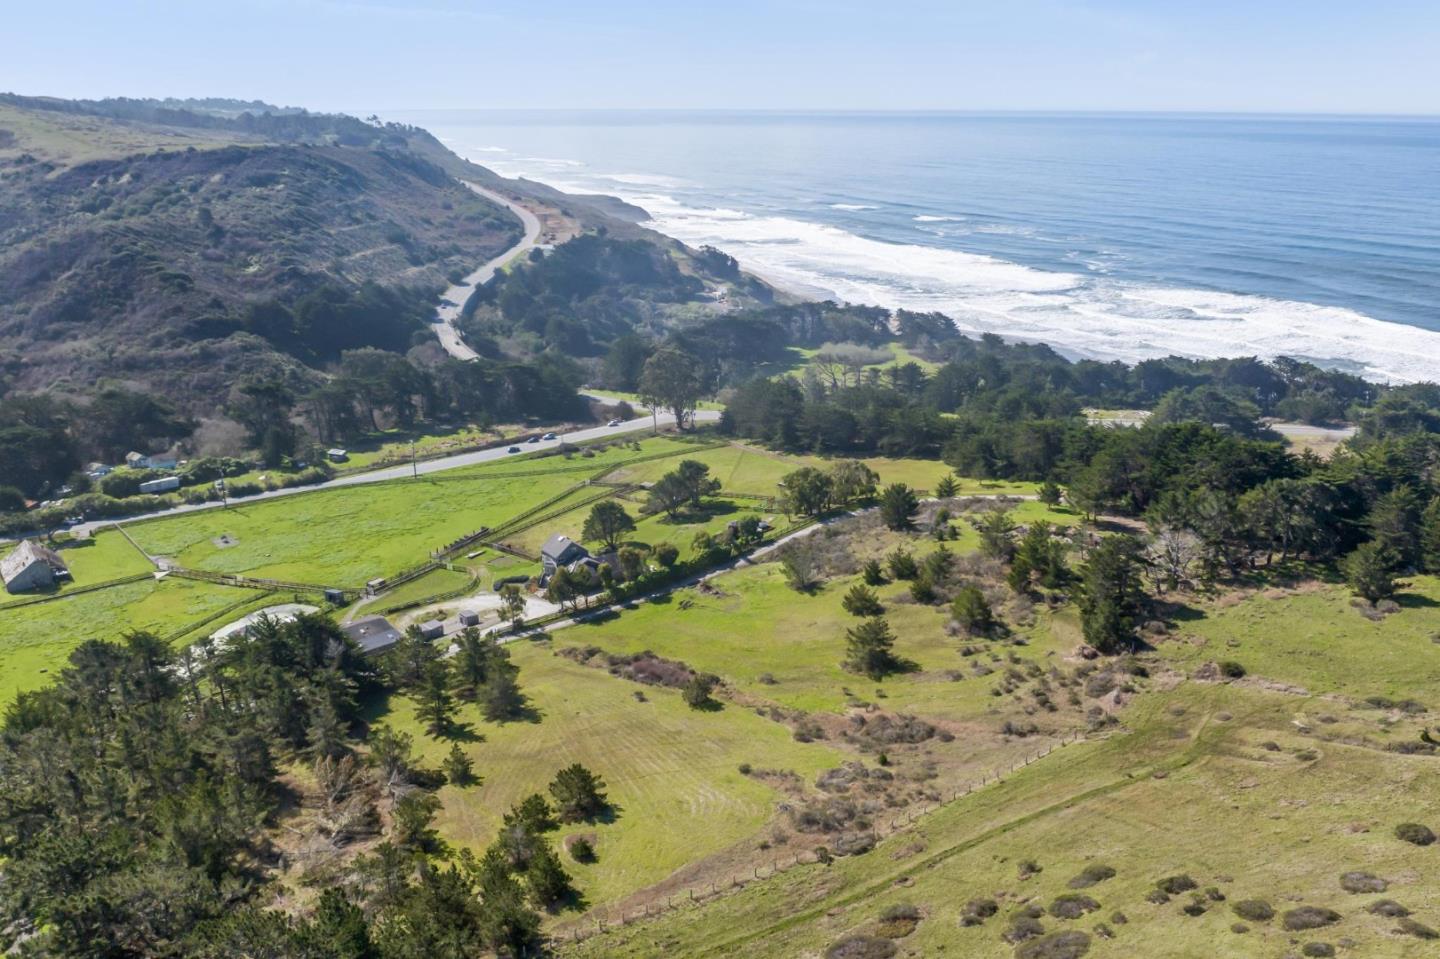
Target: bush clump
{"type": "Point", "coordinates": [1417, 929]}
{"type": "Point", "coordinates": [1070, 944]}
{"type": "Point", "coordinates": [861, 947]}
{"type": "Point", "coordinates": [1072, 906]}
{"type": "Point", "coordinates": [1414, 832]}
{"type": "Point", "coordinates": [1310, 917]}
{"type": "Point", "coordinates": [1174, 885]}
{"type": "Point", "coordinates": [1232, 670]}
{"type": "Point", "coordinates": [977, 911]}
{"type": "Point", "coordinates": [1362, 882]}
{"type": "Point", "coordinates": [898, 921]}
{"type": "Point", "coordinates": [1158, 897]}
{"type": "Point", "coordinates": [1091, 875]}
{"type": "Point", "coordinates": [1023, 927]}
{"type": "Point", "coordinates": [1256, 910]}
{"type": "Point", "coordinates": [1317, 949]}
{"type": "Point", "coordinates": [1387, 907]}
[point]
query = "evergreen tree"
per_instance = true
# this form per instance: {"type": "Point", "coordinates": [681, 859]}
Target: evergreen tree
{"type": "Point", "coordinates": [500, 697]}
{"type": "Point", "coordinates": [579, 793]}
{"type": "Point", "coordinates": [607, 523]}
{"type": "Point", "coordinates": [972, 611]}
{"type": "Point", "coordinates": [1395, 524]}
{"type": "Point", "coordinates": [898, 506]}
{"type": "Point", "coordinates": [546, 879]}
{"type": "Point", "coordinates": [459, 769]}
{"type": "Point", "coordinates": [862, 601]}
{"type": "Point", "coordinates": [433, 703]}
{"type": "Point", "coordinates": [868, 648]}
{"type": "Point", "coordinates": [901, 564]}
{"type": "Point", "coordinates": [1111, 595]}
{"type": "Point", "coordinates": [947, 487]}
{"type": "Point", "coordinates": [697, 689]}
{"type": "Point", "coordinates": [997, 534]}
{"type": "Point", "coordinates": [872, 573]}
{"type": "Point", "coordinates": [1049, 493]}
{"type": "Point", "coordinates": [1370, 571]}
{"type": "Point", "coordinates": [1430, 537]}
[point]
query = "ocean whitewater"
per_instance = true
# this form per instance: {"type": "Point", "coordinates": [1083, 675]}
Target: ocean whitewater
{"type": "Point", "coordinates": [1083, 267]}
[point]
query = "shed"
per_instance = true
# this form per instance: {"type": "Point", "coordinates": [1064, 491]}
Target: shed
{"type": "Point", "coordinates": [136, 460]}
{"type": "Point", "coordinates": [432, 629]}
{"type": "Point", "coordinates": [161, 485]}
{"type": "Point", "coordinates": [337, 455]}
{"type": "Point", "coordinates": [335, 597]}
{"type": "Point", "coordinates": [468, 617]}
{"type": "Point", "coordinates": [374, 634]}
{"type": "Point", "coordinates": [31, 566]}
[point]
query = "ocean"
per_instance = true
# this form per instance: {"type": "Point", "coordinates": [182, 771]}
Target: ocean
{"type": "Point", "coordinates": [1106, 236]}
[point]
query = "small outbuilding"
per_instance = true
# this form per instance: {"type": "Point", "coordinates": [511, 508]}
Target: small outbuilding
{"type": "Point", "coordinates": [32, 566]}
{"type": "Point", "coordinates": [161, 485]}
{"type": "Point", "coordinates": [468, 617]}
{"type": "Point", "coordinates": [432, 629]}
{"type": "Point", "coordinates": [335, 597]}
{"type": "Point", "coordinates": [337, 455]}
{"type": "Point", "coordinates": [373, 634]}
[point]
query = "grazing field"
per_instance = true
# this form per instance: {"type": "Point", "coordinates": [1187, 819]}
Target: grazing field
{"type": "Point", "coordinates": [672, 771]}
{"type": "Point", "coordinates": [1187, 790]}
{"type": "Point", "coordinates": [1314, 637]}
{"type": "Point", "coordinates": [420, 589]}
{"type": "Point", "coordinates": [35, 640]}
{"type": "Point", "coordinates": [649, 530]}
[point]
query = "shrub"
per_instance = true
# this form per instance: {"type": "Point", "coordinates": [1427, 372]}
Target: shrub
{"type": "Point", "coordinates": [1091, 875]}
{"type": "Point", "coordinates": [1028, 868]}
{"type": "Point", "coordinates": [1414, 832]}
{"type": "Point", "coordinates": [1239, 928]}
{"type": "Point", "coordinates": [1022, 928]}
{"type": "Point", "coordinates": [1256, 910]}
{"type": "Point", "coordinates": [1317, 949]}
{"type": "Point", "coordinates": [873, 574]}
{"type": "Point", "coordinates": [901, 565]}
{"type": "Point", "coordinates": [582, 850]}
{"type": "Point", "coordinates": [977, 911]}
{"type": "Point", "coordinates": [1362, 882]}
{"type": "Point", "coordinates": [1310, 917]}
{"type": "Point", "coordinates": [1070, 944]}
{"type": "Point", "coordinates": [1157, 896]}
{"type": "Point", "coordinates": [1196, 906]}
{"type": "Point", "coordinates": [862, 601]}
{"type": "Point", "coordinates": [898, 921]}
{"type": "Point", "coordinates": [861, 947]}
{"type": "Point", "coordinates": [1214, 894]}
{"type": "Point", "coordinates": [1174, 885]}
{"type": "Point", "coordinates": [1417, 929]}
{"type": "Point", "coordinates": [1231, 669]}
{"type": "Point", "coordinates": [1119, 918]}
{"type": "Point", "coordinates": [1072, 906]}
{"type": "Point", "coordinates": [1387, 907]}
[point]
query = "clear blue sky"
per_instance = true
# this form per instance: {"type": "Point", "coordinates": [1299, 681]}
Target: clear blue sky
{"type": "Point", "coordinates": [1356, 56]}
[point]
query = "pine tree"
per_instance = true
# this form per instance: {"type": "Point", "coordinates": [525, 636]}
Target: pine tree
{"type": "Point", "coordinates": [1370, 571]}
{"type": "Point", "coordinates": [579, 793]}
{"type": "Point", "coordinates": [898, 506]}
{"type": "Point", "coordinates": [1111, 595]}
{"type": "Point", "coordinates": [1430, 537]}
{"type": "Point", "coordinates": [868, 648]}
{"type": "Point", "coordinates": [947, 487]}
{"type": "Point", "coordinates": [500, 698]}
{"type": "Point", "coordinates": [459, 769]}
{"type": "Point", "coordinates": [873, 574]}
{"type": "Point", "coordinates": [433, 702]}
{"type": "Point", "coordinates": [972, 611]}
{"type": "Point", "coordinates": [862, 601]}
{"type": "Point", "coordinates": [546, 879]}
{"type": "Point", "coordinates": [901, 565]}
{"type": "Point", "coordinates": [1049, 493]}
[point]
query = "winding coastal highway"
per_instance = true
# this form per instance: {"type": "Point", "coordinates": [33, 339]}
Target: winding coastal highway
{"type": "Point", "coordinates": [454, 298]}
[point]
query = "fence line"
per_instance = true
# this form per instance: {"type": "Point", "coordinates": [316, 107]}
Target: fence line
{"type": "Point", "coordinates": [696, 895]}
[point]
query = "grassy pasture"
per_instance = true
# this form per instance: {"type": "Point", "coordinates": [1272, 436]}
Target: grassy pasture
{"type": "Point", "coordinates": [1315, 638]}
{"type": "Point", "coordinates": [35, 640]}
{"type": "Point", "coordinates": [671, 770]}
{"type": "Point", "coordinates": [1187, 789]}
{"type": "Point", "coordinates": [98, 559]}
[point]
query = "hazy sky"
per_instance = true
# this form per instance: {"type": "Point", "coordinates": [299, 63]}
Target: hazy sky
{"type": "Point", "coordinates": [377, 55]}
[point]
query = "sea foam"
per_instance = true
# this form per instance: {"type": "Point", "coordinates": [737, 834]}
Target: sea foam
{"type": "Point", "coordinates": [1080, 314]}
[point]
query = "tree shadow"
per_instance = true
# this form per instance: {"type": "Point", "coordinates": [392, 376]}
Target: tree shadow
{"type": "Point", "coordinates": [598, 618]}
{"type": "Point", "coordinates": [1415, 601]}
{"type": "Point", "coordinates": [462, 732]}
{"type": "Point", "coordinates": [709, 706]}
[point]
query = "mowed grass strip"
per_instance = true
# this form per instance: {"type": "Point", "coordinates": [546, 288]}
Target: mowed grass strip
{"type": "Point", "coordinates": [35, 641]}
{"type": "Point", "coordinates": [672, 771]}
{"type": "Point", "coordinates": [1253, 823]}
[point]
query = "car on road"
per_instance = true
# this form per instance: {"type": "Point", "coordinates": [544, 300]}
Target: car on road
{"type": "Point", "coordinates": [513, 449]}
{"type": "Point", "coordinates": [533, 439]}
{"type": "Point", "coordinates": [549, 436]}
{"type": "Point", "coordinates": [613, 423]}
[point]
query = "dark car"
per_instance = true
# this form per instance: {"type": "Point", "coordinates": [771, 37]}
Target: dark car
{"type": "Point", "coordinates": [513, 449]}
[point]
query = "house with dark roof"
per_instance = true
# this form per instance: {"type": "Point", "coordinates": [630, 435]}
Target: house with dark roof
{"type": "Point", "coordinates": [32, 566]}
{"type": "Point", "coordinates": [372, 635]}
{"type": "Point", "coordinates": [561, 551]}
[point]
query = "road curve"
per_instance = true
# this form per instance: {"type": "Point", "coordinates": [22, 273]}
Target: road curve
{"type": "Point", "coordinates": [454, 298]}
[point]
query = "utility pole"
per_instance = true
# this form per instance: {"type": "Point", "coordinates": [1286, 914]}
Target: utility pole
{"type": "Point", "coordinates": [414, 466]}
{"type": "Point", "coordinates": [224, 500]}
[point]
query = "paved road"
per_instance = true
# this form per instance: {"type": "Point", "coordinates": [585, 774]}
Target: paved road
{"type": "Point", "coordinates": [422, 468]}
{"type": "Point", "coordinates": [455, 297]}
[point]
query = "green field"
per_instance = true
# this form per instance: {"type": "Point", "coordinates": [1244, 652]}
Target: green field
{"type": "Point", "coordinates": [35, 640]}
{"type": "Point", "coordinates": [1316, 639]}
{"type": "Point", "coordinates": [101, 558]}
{"type": "Point", "coordinates": [1186, 790]}
{"type": "Point", "coordinates": [671, 770]}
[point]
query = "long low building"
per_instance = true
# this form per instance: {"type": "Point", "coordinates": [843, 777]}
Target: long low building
{"type": "Point", "coordinates": [32, 566]}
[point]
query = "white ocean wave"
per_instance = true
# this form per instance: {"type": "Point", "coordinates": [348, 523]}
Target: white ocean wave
{"type": "Point", "coordinates": [933, 218]}
{"type": "Point", "coordinates": [1080, 314]}
{"type": "Point", "coordinates": [853, 206]}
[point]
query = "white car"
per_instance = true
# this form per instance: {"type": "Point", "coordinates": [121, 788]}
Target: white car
{"type": "Point", "coordinates": [549, 436]}
{"type": "Point", "coordinates": [613, 423]}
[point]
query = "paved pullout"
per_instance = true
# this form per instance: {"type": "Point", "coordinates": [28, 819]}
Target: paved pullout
{"type": "Point", "coordinates": [455, 297]}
